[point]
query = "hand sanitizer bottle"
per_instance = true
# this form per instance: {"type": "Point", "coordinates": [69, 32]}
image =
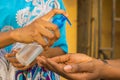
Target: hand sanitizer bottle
{"type": "Point", "coordinates": [28, 53]}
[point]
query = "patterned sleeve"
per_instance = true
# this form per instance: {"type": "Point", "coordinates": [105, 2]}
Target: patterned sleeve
{"type": "Point", "coordinates": [62, 42]}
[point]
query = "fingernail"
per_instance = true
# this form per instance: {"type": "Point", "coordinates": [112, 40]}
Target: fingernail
{"type": "Point", "coordinates": [68, 68]}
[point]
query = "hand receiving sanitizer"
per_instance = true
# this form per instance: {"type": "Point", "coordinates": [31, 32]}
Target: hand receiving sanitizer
{"type": "Point", "coordinates": [28, 52]}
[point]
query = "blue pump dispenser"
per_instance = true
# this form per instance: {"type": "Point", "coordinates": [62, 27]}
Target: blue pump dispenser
{"type": "Point", "coordinates": [59, 21]}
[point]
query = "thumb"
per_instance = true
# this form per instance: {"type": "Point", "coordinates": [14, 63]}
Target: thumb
{"type": "Point", "coordinates": [50, 14]}
{"type": "Point", "coordinates": [71, 68]}
{"type": "Point", "coordinates": [68, 68]}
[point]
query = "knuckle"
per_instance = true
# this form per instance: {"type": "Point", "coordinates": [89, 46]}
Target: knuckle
{"type": "Point", "coordinates": [34, 33]}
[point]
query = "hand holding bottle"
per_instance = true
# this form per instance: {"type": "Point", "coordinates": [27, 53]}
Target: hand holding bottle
{"type": "Point", "coordinates": [36, 32]}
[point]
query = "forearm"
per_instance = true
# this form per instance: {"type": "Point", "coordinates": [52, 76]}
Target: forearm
{"type": "Point", "coordinates": [112, 70]}
{"type": "Point", "coordinates": [5, 39]}
{"type": "Point", "coordinates": [52, 52]}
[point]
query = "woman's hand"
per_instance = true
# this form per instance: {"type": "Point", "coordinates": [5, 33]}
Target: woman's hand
{"type": "Point", "coordinates": [38, 30]}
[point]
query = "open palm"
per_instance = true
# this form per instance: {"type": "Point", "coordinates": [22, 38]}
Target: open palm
{"type": "Point", "coordinates": [72, 58]}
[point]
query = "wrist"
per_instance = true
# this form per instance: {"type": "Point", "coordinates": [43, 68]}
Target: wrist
{"type": "Point", "coordinates": [109, 71]}
{"type": "Point", "coordinates": [103, 68]}
{"type": "Point", "coordinates": [11, 36]}
{"type": "Point", "coordinates": [14, 35]}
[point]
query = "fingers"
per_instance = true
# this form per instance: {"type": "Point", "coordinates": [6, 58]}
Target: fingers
{"type": "Point", "coordinates": [47, 30]}
{"type": "Point", "coordinates": [39, 61]}
{"type": "Point", "coordinates": [22, 67]}
{"type": "Point", "coordinates": [18, 65]}
{"type": "Point", "coordinates": [12, 60]}
{"type": "Point", "coordinates": [78, 75]}
{"type": "Point", "coordinates": [42, 30]}
{"type": "Point", "coordinates": [59, 69]}
{"type": "Point", "coordinates": [53, 28]}
{"type": "Point", "coordinates": [15, 62]}
{"type": "Point", "coordinates": [52, 65]}
{"type": "Point", "coordinates": [10, 55]}
{"type": "Point", "coordinates": [40, 40]}
{"type": "Point", "coordinates": [47, 27]}
{"type": "Point", "coordinates": [43, 62]}
{"type": "Point", "coordinates": [50, 14]}
{"type": "Point", "coordinates": [81, 67]}
{"type": "Point", "coordinates": [61, 59]}
{"type": "Point", "coordinates": [13, 53]}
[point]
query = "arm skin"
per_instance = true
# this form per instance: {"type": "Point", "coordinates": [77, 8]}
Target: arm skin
{"type": "Point", "coordinates": [82, 67]}
{"type": "Point", "coordinates": [112, 71]}
{"type": "Point", "coordinates": [34, 32]}
{"type": "Point", "coordinates": [6, 39]}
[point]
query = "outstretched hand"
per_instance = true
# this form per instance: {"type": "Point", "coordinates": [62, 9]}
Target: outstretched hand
{"type": "Point", "coordinates": [74, 66]}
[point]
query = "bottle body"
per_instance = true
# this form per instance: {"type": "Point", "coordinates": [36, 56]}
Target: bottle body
{"type": "Point", "coordinates": [28, 52]}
